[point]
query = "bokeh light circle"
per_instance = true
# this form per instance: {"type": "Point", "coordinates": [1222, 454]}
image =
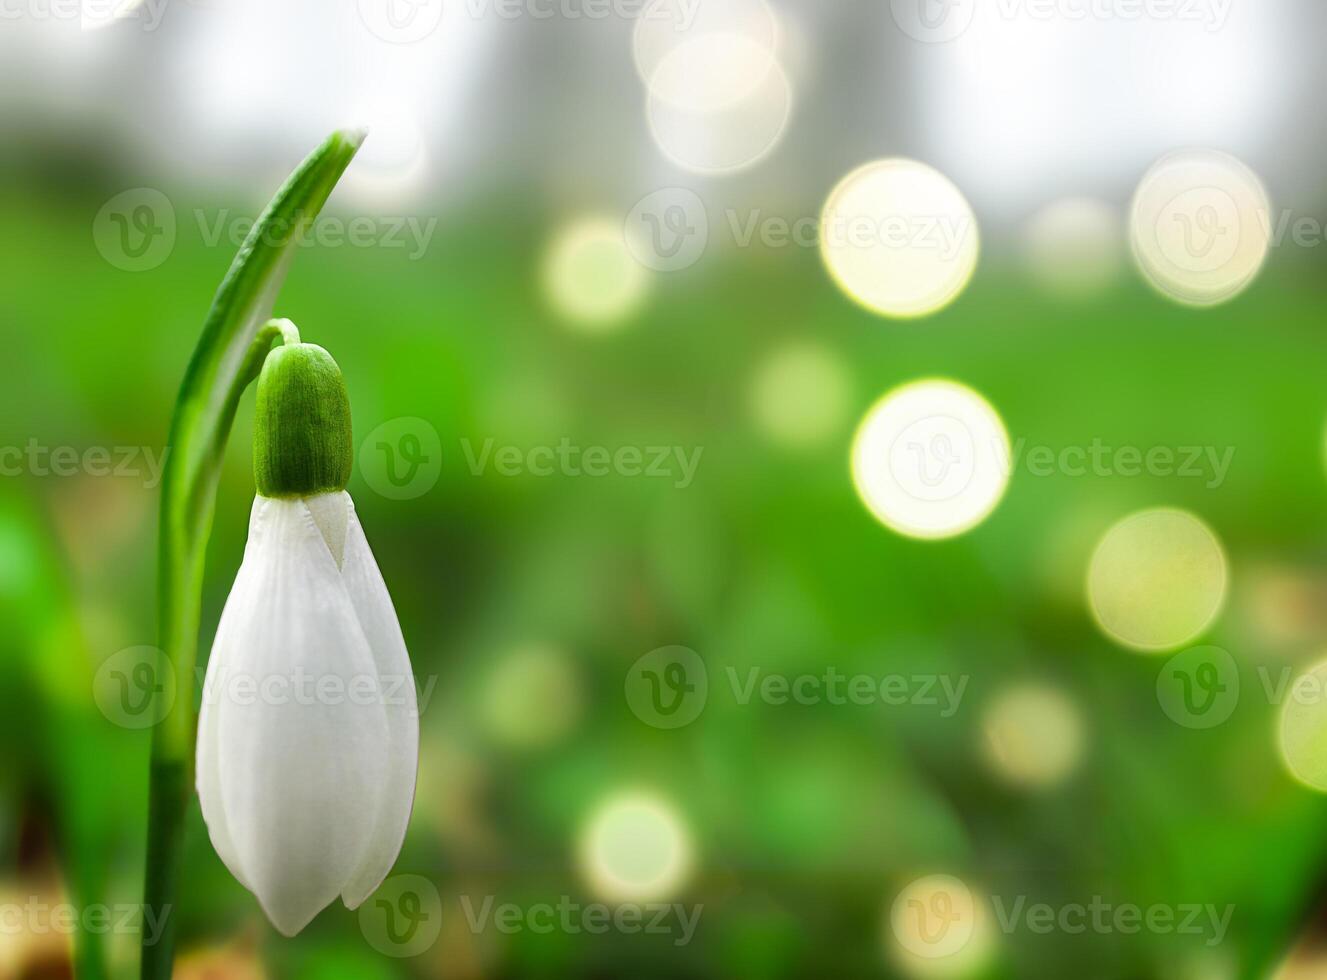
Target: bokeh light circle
{"type": "Point", "coordinates": [590, 277]}
{"type": "Point", "coordinates": [1157, 580]}
{"type": "Point", "coordinates": [730, 134]}
{"type": "Point", "coordinates": [532, 696]}
{"type": "Point", "coordinates": [1032, 735]}
{"type": "Point", "coordinates": [899, 238]}
{"type": "Point", "coordinates": [799, 395]}
{"type": "Point", "coordinates": [938, 927]}
{"type": "Point", "coordinates": [635, 848]}
{"type": "Point", "coordinates": [1200, 226]}
{"type": "Point", "coordinates": [1303, 729]}
{"type": "Point", "coordinates": [1075, 247]}
{"type": "Point", "coordinates": [665, 25]}
{"type": "Point", "coordinates": [931, 459]}
{"type": "Point", "coordinates": [711, 72]}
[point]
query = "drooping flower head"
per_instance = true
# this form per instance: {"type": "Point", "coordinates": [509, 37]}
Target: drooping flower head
{"type": "Point", "coordinates": [308, 736]}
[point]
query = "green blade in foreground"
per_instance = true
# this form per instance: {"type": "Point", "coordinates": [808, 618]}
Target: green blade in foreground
{"type": "Point", "coordinates": [227, 358]}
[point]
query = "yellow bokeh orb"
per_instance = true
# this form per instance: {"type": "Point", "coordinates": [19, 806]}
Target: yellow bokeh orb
{"type": "Point", "coordinates": [799, 395]}
{"type": "Point", "coordinates": [1200, 226]}
{"type": "Point", "coordinates": [899, 238]}
{"type": "Point", "coordinates": [1032, 735]}
{"type": "Point", "coordinates": [531, 697]}
{"type": "Point", "coordinates": [931, 459]}
{"type": "Point", "coordinates": [1157, 580]}
{"type": "Point", "coordinates": [635, 848]}
{"type": "Point", "coordinates": [590, 278]}
{"type": "Point", "coordinates": [1303, 728]}
{"type": "Point", "coordinates": [938, 927]}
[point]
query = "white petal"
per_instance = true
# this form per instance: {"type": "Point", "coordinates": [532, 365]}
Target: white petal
{"type": "Point", "coordinates": [208, 779]}
{"type": "Point", "coordinates": [295, 766]}
{"type": "Point", "coordinates": [378, 618]}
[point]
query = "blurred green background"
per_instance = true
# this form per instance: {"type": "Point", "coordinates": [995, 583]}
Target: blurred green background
{"type": "Point", "coordinates": [526, 600]}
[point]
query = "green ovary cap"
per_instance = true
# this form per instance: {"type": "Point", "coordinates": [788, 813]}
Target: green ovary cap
{"type": "Point", "coordinates": [301, 434]}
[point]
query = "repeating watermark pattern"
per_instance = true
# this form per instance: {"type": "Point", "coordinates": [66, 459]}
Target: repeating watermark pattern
{"type": "Point", "coordinates": [1201, 687]}
{"type": "Point", "coordinates": [403, 918]}
{"type": "Point", "coordinates": [1211, 464]}
{"type": "Point", "coordinates": [571, 917]}
{"type": "Point", "coordinates": [669, 688]}
{"type": "Point", "coordinates": [409, 21]}
{"type": "Point", "coordinates": [669, 230]}
{"type": "Point", "coordinates": [942, 21]}
{"type": "Point", "coordinates": [936, 459]}
{"type": "Point", "coordinates": [145, 15]}
{"type": "Point", "coordinates": [938, 917]}
{"type": "Point", "coordinates": [402, 459]}
{"type": "Point", "coordinates": [137, 230]}
{"type": "Point", "coordinates": [304, 687]}
{"type": "Point", "coordinates": [1103, 917]}
{"type": "Point", "coordinates": [35, 458]}
{"type": "Point", "coordinates": [36, 916]}
{"type": "Point", "coordinates": [136, 687]}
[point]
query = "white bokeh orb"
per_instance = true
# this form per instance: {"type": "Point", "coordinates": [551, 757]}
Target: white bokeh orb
{"type": "Point", "coordinates": [1157, 580]}
{"type": "Point", "coordinates": [635, 848]}
{"type": "Point", "coordinates": [1075, 247]}
{"type": "Point", "coordinates": [722, 127]}
{"type": "Point", "coordinates": [1200, 226]}
{"type": "Point", "coordinates": [663, 26]}
{"type": "Point", "coordinates": [931, 459]}
{"type": "Point", "coordinates": [899, 238]}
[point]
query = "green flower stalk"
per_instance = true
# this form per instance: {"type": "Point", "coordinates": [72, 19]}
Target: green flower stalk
{"type": "Point", "coordinates": [235, 341]}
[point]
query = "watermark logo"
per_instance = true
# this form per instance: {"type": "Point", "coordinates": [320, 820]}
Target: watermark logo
{"type": "Point", "coordinates": [402, 458]}
{"type": "Point", "coordinates": [401, 21]}
{"type": "Point", "coordinates": [934, 459]}
{"type": "Point", "coordinates": [135, 688]}
{"type": "Point", "coordinates": [1199, 688]}
{"type": "Point", "coordinates": [135, 230]}
{"type": "Point", "coordinates": [668, 230]}
{"type": "Point", "coordinates": [933, 21]}
{"type": "Point", "coordinates": [403, 918]}
{"type": "Point", "coordinates": [1199, 230]}
{"type": "Point", "coordinates": [934, 917]}
{"type": "Point", "coordinates": [668, 687]}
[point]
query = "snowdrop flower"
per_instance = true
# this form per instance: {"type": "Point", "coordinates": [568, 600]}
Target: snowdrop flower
{"type": "Point", "coordinates": [308, 738]}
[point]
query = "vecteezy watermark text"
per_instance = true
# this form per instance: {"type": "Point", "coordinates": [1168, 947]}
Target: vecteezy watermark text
{"type": "Point", "coordinates": [403, 458]}
{"type": "Point", "coordinates": [36, 916]}
{"type": "Point", "coordinates": [136, 230]}
{"type": "Point", "coordinates": [669, 687]}
{"type": "Point", "coordinates": [39, 460]}
{"type": "Point", "coordinates": [595, 918]}
{"type": "Point", "coordinates": [1104, 917]}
